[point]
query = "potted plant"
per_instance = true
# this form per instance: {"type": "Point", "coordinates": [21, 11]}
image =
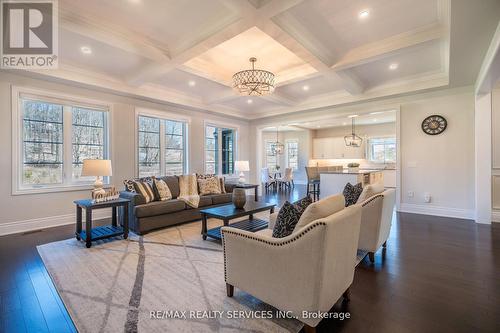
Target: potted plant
{"type": "Point", "coordinates": [353, 167]}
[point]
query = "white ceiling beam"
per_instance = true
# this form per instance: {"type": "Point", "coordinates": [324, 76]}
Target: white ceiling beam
{"type": "Point", "coordinates": [389, 46]}
{"type": "Point", "coordinates": [249, 15]}
{"type": "Point", "coordinates": [154, 71]}
{"type": "Point", "coordinates": [350, 82]}
{"type": "Point", "coordinates": [112, 36]}
{"type": "Point", "coordinates": [279, 98]}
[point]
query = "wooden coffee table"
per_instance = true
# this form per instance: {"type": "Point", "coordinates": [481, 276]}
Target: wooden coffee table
{"type": "Point", "coordinates": [229, 212]}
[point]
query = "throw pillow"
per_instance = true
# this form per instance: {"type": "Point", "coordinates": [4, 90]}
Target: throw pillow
{"type": "Point", "coordinates": [129, 185]}
{"type": "Point", "coordinates": [352, 193]}
{"type": "Point", "coordinates": [209, 186]}
{"type": "Point", "coordinates": [302, 204]}
{"type": "Point", "coordinates": [212, 175]}
{"type": "Point", "coordinates": [145, 189]}
{"type": "Point", "coordinates": [286, 221]}
{"type": "Point", "coordinates": [162, 190]}
{"type": "Point", "coordinates": [370, 190]}
{"type": "Point", "coordinates": [321, 209]}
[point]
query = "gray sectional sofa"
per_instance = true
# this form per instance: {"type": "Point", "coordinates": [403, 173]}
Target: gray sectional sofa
{"type": "Point", "coordinates": [145, 217]}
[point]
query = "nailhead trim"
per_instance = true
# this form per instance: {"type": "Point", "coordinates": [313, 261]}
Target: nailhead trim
{"type": "Point", "coordinates": [372, 199]}
{"type": "Point", "coordinates": [276, 243]}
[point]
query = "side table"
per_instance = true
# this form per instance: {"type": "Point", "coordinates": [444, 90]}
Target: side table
{"type": "Point", "coordinates": [91, 234]}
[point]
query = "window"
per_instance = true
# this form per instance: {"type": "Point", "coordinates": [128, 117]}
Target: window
{"type": "Point", "coordinates": [292, 150]}
{"type": "Point", "coordinates": [382, 150]}
{"type": "Point", "coordinates": [161, 146]}
{"type": "Point", "coordinates": [55, 137]}
{"type": "Point", "coordinates": [271, 158]}
{"type": "Point", "coordinates": [219, 150]}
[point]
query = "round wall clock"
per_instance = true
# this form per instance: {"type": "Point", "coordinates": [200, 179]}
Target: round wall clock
{"type": "Point", "coordinates": [434, 125]}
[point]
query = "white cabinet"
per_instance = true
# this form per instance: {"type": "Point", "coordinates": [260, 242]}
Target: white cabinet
{"type": "Point", "coordinates": [335, 148]}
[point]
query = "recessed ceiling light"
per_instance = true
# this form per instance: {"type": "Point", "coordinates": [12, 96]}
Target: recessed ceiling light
{"type": "Point", "coordinates": [393, 66]}
{"type": "Point", "coordinates": [86, 50]}
{"type": "Point", "coordinates": [364, 14]}
{"type": "Point", "coordinates": [375, 120]}
{"type": "Point", "coordinates": [192, 83]}
{"type": "Point", "coordinates": [305, 88]}
{"type": "Point", "coordinates": [249, 101]}
{"type": "Point", "coordinates": [319, 126]}
{"type": "Point", "coordinates": [353, 116]}
{"type": "Point", "coordinates": [343, 124]}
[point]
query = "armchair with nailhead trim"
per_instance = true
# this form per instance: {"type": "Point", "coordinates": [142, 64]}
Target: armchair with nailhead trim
{"type": "Point", "coordinates": [308, 270]}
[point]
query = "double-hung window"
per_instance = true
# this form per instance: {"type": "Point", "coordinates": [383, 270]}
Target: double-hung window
{"type": "Point", "coordinates": [219, 150]}
{"type": "Point", "coordinates": [161, 146]}
{"type": "Point", "coordinates": [382, 150]}
{"type": "Point", "coordinates": [292, 154]}
{"type": "Point", "coordinates": [51, 138]}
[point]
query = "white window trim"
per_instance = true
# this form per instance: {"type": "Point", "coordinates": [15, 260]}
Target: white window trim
{"type": "Point", "coordinates": [266, 142]}
{"type": "Point", "coordinates": [367, 148]}
{"type": "Point", "coordinates": [16, 138]}
{"type": "Point", "coordinates": [164, 115]}
{"type": "Point", "coordinates": [233, 127]}
{"type": "Point", "coordinates": [287, 153]}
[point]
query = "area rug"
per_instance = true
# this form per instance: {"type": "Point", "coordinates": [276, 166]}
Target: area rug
{"type": "Point", "coordinates": [166, 281]}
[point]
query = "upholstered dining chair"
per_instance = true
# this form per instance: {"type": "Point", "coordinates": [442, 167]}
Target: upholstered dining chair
{"type": "Point", "coordinates": [287, 180]}
{"type": "Point", "coordinates": [312, 181]}
{"type": "Point", "coordinates": [266, 179]}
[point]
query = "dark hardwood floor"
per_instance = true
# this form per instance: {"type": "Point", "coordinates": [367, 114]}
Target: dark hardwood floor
{"type": "Point", "coordinates": [436, 275]}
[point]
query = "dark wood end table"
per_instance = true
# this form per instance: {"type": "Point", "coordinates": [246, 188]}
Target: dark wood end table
{"type": "Point", "coordinates": [229, 212]}
{"type": "Point", "coordinates": [92, 234]}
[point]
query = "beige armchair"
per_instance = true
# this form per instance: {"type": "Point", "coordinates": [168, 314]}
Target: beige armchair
{"type": "Point", "coordinates": [308, 270]}
{"type": "Point", "coordinates": [376, 221]}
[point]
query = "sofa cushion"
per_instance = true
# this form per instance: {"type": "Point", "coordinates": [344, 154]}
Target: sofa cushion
{"type": "Point", "coordinates": [159, 208]}
{"type": "Point", "coordinates": [369, 191]}
{"type": "Point", "coordinates": [321, 209]}
{"type": "Point", "coordinates": [173, 185]}
{"type": "Point", "coordinates": [205, 201]}
{"type": "Point", "coordinates": [302, 204]}
{"type": "Point", "coordinates": [352, 193]}
{"type": "Point", "coordinates": [218, 199]}
{"type": "Point", "coordinates": [286, 221]}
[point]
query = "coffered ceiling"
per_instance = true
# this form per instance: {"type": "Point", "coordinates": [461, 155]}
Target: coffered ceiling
{"type": "Point", "coordinates": [323, 52]}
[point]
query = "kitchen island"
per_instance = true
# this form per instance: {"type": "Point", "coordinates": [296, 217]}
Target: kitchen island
{"type": "Point", "coordinates": [333, 182]}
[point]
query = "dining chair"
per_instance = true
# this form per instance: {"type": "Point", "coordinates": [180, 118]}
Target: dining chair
{"type": "Point", "coordinates": [287, 180]}
{"type": "Point", "coordinates": [313, 180]}
{"type": "Point", "coordinates": [266, 179]}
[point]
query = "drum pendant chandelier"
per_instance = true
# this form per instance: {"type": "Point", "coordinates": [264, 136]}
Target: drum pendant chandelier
{"type": "Point", "coordinates": [253, 82]}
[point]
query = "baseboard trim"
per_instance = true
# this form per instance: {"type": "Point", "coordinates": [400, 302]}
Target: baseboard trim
{"type": "Point", "coordinates": [495, 216]}
{"type": "Point", "coordinates": [437, 211]}
{"type": "Point", "coordinates": [46, 222]}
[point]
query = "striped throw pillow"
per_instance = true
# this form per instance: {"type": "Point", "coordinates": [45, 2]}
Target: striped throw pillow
{"type": "Point", "coordinates": [145, 189]}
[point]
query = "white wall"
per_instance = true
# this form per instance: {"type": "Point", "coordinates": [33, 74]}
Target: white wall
{"type": "Point", "coordinates": [24, 212]}
{"type": "Point", "coordinates": [441, 165]}
{"type": "Point", "coordinates": [361, 130]}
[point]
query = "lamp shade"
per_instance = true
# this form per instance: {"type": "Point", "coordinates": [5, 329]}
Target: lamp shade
{"type": "Point", "coordinates": [241, 166]}
{"type": "Point", "coordinates": [97, 168]}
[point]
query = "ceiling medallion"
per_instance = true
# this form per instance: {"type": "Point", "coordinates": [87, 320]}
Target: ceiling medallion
{"type": "Point", "coordinates": [353, 140]}
{"type": "Point", "coordinates": [253, 82]}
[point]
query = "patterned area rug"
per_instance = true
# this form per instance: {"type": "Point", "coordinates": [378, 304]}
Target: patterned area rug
{"type": "Point", "coordinates": [131, 285]}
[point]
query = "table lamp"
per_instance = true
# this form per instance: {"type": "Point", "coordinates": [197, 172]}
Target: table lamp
{"type": "Point", "coordinates": [242, 166]}
{"type": "Point", "coordinates": [99, 169]}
